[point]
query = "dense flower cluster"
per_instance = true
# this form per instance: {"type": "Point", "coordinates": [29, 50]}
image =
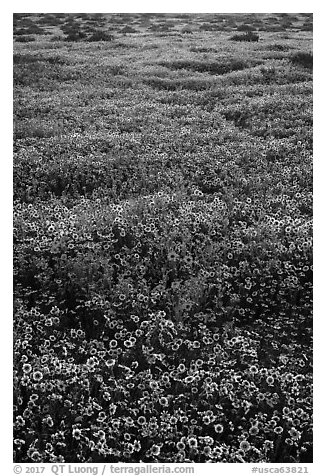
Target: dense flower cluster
{"type": "Point", "coordinates": [162, 252]}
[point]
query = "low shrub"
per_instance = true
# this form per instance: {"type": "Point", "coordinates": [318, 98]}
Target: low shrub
{"type": "Point", "coordinates": [302, 59]}
{"type": "Point", "coordinates": [160, 28]}
{"type": "Point", "coordinates": [50, 20]}
{"type": "Point", "coordinates": [30, 30]}
{"type": "Point", "coordinates": [75, 36]}
{"type": "Point", "coordinates": [25, 39]}
{"type": "Point", "coordinates": [128, 29]}
{"type": "Point", "coordinates": [28, 59]}
{"type": "Point", "coordinates": [246, 37]}
{"type": "Point", "coordinates": [208, 27]}
{"type": "Point", "coordinates": [277, 47]}
{"type": "Point", "coordinates": [57, 38]}
{"type": "Point", "coordinates": [187, 30]}
{"type": "Point", "coordinates": [99, 35]}
{"type": "Point", "coordinates": [213, 67]}
{"type": "Point", "coordinates": [245, 27]}
{"type": "Point", "coordinates": [307, 26]}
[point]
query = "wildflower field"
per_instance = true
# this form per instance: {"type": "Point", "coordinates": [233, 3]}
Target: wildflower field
{"type": "Point", "coordinates": [162, 238]}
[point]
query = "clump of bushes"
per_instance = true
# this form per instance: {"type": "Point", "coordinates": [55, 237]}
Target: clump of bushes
{"type": "Point", "coordinates": [187, 30]}
{"type": "Point", "coordinates": [75, 36]}
{"type": "Point", "coordinates": [50, 20]}
{"type": "Point", "coordinates": [24, 59]}
{"type": "Point", "coordinates": [245, 27]}
{"type": "Point", "coordinates": [73, 30]}
{"type": "Point", "coordinates": [97, 19]}
{"type": "Point", "coordinates": [57, 38]}
{"type": "Point", "coordinates": [28, 59]}
{"type": "Point", "coordinates": [159, 28]}
{"type": "Point", "coordinates": [277, 47]}
{"type": "Point", "coordinates": [249, 36]}
{"type": "Point", "coordinates": [25, 39]}
{"type": "Point", "coordinates": [308, 26]}
{"type": "Point", "coordinates": [213, 67]}
{"type": "Point", "coordinates": [128, 29]}
{"type": "Point", "coordinates": [302, 59]}
{"type": "Point", "coordinates": [31, 30]}
{"type": "Point", "coordinates": [208, 27]}
{"type": "Point", "coordinates": [100, 35]}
